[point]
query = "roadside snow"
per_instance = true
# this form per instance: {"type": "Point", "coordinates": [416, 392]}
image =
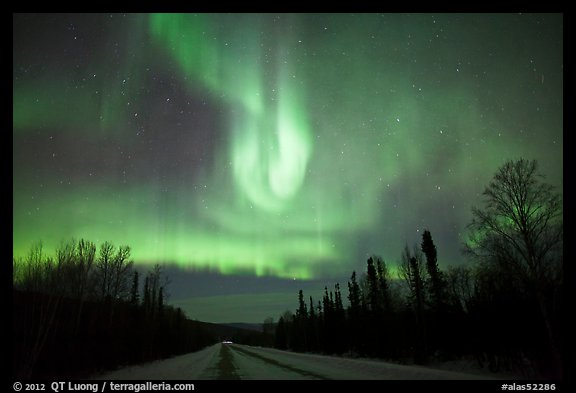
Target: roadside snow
{"type": "Point", "coordinates": [341, 368]}
{"type": "Point", "coordinates": [267, 363]}
{"type": "Point", "coordinates": [195, 365]}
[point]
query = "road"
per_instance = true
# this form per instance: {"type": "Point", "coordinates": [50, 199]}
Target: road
{"type": "Point", "coordinates": [232, 361]}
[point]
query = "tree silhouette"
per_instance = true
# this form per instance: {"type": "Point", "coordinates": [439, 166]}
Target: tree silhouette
{"type": "Point", "coordinates": [74, 314]}
{"type": "Point", "coordinates": [412, 272]}
{"type": "Point", "coordinates": [460, 287]}
{"type": "Point", "coordinates": [146, 303]}
{"type": "Point", "coordinates": [86, 256]}
{"type": "Point", "coordinates": [37, 277]}
{"type": "Point", "coordinates": [338, 306]}
{"type": "Point", "coordinates": [354, 296]}
{"type": "Point", "coordinates": [302, 311]}
{"type": "Point", "coordinates": [135, 292]}
{"type": "Point", "coordinates": [519, 232]}
{"type": "Point", "coordinates": [338, 322]}
{"type": "Point", "coordinates": [436, 282]}
{"type": "Point", "coordinates": [155, 285]}
{"type": "Point", "coordinates": [384, 287]}
{"type": "Point", "coordinates": [280, 338]}
{"type": "Point", "coordinates": [161, 299]}
{"type": "Point", "coordinates": [121, 269]}
{"type": "Point", "coordinates": [104, 266]}
{"type": "Point", "coordinates": [374, 296]}
{"type": "Point", "coordinates": [312, 328]}
{"type": "Point", "coordinates": [301, 323]}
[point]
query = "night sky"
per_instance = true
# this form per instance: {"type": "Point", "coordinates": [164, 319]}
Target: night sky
{"type": "Point", "coordinates": [255, 155]}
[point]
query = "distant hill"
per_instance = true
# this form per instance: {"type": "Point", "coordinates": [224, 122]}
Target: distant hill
{"type": "Point", "coordinates": [248, 326]}
{"type": "Point", "coordinates": [241, 333]}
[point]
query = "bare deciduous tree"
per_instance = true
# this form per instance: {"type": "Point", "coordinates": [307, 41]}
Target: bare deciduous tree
{"type": "Point", "coordinates": [519, 231]}
{"type": "Point", "coordinates": [113, 272]}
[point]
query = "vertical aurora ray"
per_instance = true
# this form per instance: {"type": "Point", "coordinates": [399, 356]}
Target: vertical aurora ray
{"type": "Point", "coordinates": [269, 148]}
{"type": "Point", "coordinates": [288, 170]}
{"type": "Point", "coordinates": [188, 39]}
{"type": "Point", "coordinates": [270, 137]}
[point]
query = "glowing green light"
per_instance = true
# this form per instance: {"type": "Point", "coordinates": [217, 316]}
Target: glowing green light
{"type": "Point", "coordinates": [187, 37]}
{"type": "Point", "coordinates": [288, 170]}
{"type": "Point", "coordinates": [323, 147]}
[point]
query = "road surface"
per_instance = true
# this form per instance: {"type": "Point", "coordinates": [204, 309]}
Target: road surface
{"type": "Point", "coordinates": [233, 361]}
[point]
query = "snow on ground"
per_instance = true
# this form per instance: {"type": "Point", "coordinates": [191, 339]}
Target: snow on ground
{"type": "Point", "coordinates": [195, 365]}
{"type": "Point", "coordinates": [248, 362]}
{"type": "Point", "coordinates": [330, 367]}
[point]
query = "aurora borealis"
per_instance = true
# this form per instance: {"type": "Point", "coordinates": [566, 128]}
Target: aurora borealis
{"type": "Point", "coordinates": [290, 146]}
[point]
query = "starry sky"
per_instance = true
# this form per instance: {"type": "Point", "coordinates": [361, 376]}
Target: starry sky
{"type": "Point", "coordinates": [257, 154]}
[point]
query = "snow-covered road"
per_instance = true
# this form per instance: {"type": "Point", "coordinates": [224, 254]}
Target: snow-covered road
{"type": "Point", "coordinates": [233, 361]}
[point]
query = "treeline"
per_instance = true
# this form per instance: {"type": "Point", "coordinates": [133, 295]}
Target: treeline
{"type": "Point", "coordinates": [504, 310]}
{"type": "Point", "coordinates": [85, 311]}
{"type": "Point", "coordinates": [383, 317]}
{"type": "Point", "coordinates": [427, 315]}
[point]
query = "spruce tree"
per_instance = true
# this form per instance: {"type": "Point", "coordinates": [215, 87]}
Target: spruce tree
{"type": "Point", "coordinates": [134, 294]}
{"type": "Point", "coordinates": [374, 297]}
{"type": "Point", "coordinates": [436, 283]}
{"type": "Point", "coordinates": [382, 272]}
{"type": "Point", "coordinates": [354, 296]}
